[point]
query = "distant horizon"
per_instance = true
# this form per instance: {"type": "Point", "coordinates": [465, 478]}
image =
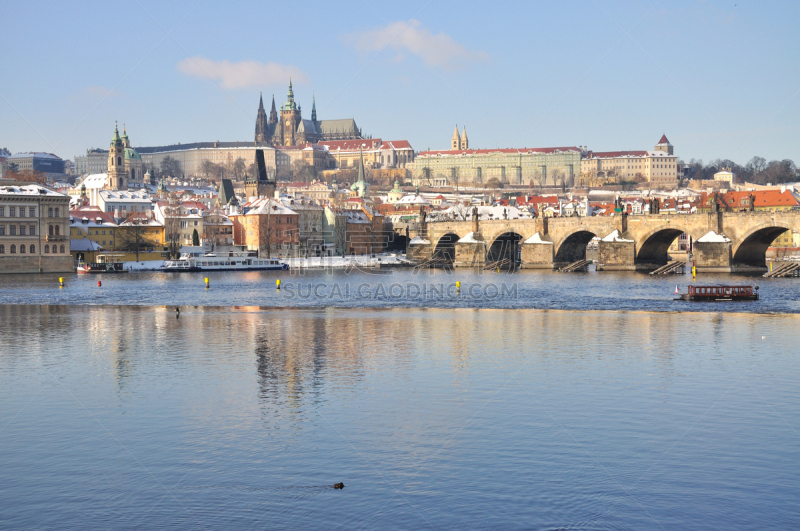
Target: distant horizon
{"type": "Point", "coordinates": [710, 74]}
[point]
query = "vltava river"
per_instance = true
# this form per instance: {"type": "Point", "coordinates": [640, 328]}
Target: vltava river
{"type": "Point", "coordinates": [128, 416]}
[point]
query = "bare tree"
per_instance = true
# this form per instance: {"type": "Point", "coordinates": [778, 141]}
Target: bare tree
{"type": "Point", "coordinates": [132, 236]}
{"type": "Point", "coordinates": [170, 167]}
{"type": "Point", "coordinates": [238, 168]}
{"type": "Point", "coordinates": [172, 226]}
{"type": "Point", "coordinates": [214, 230]}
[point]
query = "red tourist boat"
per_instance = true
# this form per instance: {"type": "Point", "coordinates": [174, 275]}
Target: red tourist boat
{"type": "Point", "coordinates": [720, 293]}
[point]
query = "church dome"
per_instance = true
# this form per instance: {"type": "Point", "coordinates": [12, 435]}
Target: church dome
{"type": "Point", "coordinates": [131, 153]}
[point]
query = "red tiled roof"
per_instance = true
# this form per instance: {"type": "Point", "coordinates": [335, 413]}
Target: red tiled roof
{"type": "Point", "coordinates": [763, 198]}
{"type": "Point", "coordinates": [91, 213]}
{"type": "Point", "coordinates": [354, 145]}
{"type": "Point", "coordinates": [614, 154]}
{"type": "Point", "coordinates": [498, 150]}
{"type": "Point", "coordinates": [396, 144]}
{"type": "Point", "coordinates": [663, 140]}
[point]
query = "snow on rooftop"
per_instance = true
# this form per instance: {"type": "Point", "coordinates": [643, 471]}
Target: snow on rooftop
{"type": "Point", "coordinates": [469, 238]}
{"type": "Point", "coordinates": [713, 237]}
{"type": "Point", "coordinates": [615, 237]}
{"type": "Point", "coordinates": [28, 189]}
{"type": "Point", "coordinates": [537, 238]}
{"type": "Point", "coordinates": [416, 240]}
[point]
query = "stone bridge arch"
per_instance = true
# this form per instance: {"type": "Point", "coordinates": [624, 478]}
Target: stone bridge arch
{"type": "Point", "coordinates": [750, 249]}
{"type": "Point", "coordinates": [572, 247]}
{"type": "Point", "coordinates": [652, 246]}
{"type": "Point", "coordinates": [505, 245]}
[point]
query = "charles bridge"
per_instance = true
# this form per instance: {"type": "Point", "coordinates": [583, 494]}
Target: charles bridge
{"type": "Point", "coordinates": [723, 241]}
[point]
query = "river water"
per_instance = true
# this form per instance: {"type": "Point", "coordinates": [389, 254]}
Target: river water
{"type": "Point", "coordinates": [587, 401]}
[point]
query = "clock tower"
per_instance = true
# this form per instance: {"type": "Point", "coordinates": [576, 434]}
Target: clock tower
{"type": "Point", "coordinates": [290, 119]}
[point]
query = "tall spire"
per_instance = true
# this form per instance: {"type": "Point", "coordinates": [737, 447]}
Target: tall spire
{"type": "Point", "coordinates": [260, 101]}
{"type": "Point", "coordinates": [455, 142]}
{"type": "Point", "coordinates": [273, 114]}
{"type": "Point", "coordinates": [262, 130]}
{"type": "Point", "coordinates": [313, 108]}
{"type": "Point", "coordinates": [290, 104]}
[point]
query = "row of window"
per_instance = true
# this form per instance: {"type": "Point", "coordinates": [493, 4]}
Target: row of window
{"type": "Point", "coordinates": [12, 230]}
{"type": "Point", "coordinates": [14, 212]}
{"type": "Point", "coordinates": [31, 249]}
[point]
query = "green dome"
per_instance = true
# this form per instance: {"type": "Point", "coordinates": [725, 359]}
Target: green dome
{"type": "Point", "coordinates": [396, 189]}
{"type": "Point", "coordinates": [131, 153]}
{"type": "Point", "coordinates": [115, 140]}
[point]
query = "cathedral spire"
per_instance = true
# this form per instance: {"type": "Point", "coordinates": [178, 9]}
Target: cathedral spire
{"type": "Point", "coordinates": [273, 114]}
{"type": "Point", "coordinates": [455, 142]}
{"type": "Point", "coordinates": [260, 101]}
{"type": "Point", "coordinates": [313, 108]}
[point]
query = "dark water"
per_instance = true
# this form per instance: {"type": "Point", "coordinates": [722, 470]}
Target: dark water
{"type": "Point", "coordinates": [400, 288]}
{"type": "Point", "coordinates": [128, 417]}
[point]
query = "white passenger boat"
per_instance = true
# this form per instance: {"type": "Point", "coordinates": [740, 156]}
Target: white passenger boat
{"type": "Point", "coordinates": [212, 262]}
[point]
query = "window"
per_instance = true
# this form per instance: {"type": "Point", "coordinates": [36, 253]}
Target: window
{"type": "Point", "coordinates": [57, 213]}
{"type": "Point", "coordinates": [58, 230]}
{"type": "Point", "coordinates": [2, 211]}
{"type": "Point", "coordinates": [22, 212]}
{"type": "Point", "coordinates": [21, 249]}
{"type": "Point", "coordinates": [46, 249]}
{"type": "Point", "coordinates": [33, 249]}
{"type": "Point", "coordinates": [13, 249]}
{"type": "Point", "coordinates": [12, 230]}
{"type": "Point", "coordinates": [32, 212]}
{"type": "Point", "coordinates": [2, 249]}
{"type": "Point", "coordinates": [50, 212]}
{"type": "Point", "coordinates": [32, 230]}
{"type": "Point", "coordinates": [50, 230]}
{"type": "Point", "coordinates": [12, 212]}
{"type": "Point", "coordinates": [62, 248]}
{"type": "Point", "coordinates": [2, 230]}
{"type": "Point", "coordinates": [22, 230]}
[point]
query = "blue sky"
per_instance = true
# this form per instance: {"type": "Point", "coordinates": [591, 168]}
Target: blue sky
{"type": "Point", "coordinates": [720, 78]}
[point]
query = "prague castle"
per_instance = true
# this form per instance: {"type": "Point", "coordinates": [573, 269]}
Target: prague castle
{"type": "Point", "coordinates": [290, 129]}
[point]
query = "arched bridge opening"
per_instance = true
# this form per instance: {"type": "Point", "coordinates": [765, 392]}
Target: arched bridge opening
{"type": "Point", "coordinates": [654, 250]}
{"type": "Point", "coordinates": [753, 249]}
{"type": "Point", "coordinates": [445, 251]}
{"type": "Point", "coordinates": [573, 248]}
{"type": "Point", "coordinates": [505, 249]}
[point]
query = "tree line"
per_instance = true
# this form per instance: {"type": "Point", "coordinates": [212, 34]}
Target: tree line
{"type": "Point", "coordinates": [757, 170]}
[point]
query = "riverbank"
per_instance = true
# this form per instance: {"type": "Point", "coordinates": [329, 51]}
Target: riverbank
{"type": "Point", "coordinates": [371, 261]}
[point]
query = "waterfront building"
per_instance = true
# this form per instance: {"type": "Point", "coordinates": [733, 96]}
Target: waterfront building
{"type": "Point", "coordinates": [378, 154]}
{"type": "Point", "coordinates": [93, 224]}
{"type": "Point", "coordinates": [540, 166]}
{"type": "Point", "coordinates": [267, 226]}
{"type": "Point", "coordinates": [34, 229]}
{"type": "Point", "coordinates": [658, 167]}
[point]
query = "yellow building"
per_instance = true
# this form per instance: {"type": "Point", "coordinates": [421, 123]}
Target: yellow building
{"type": "Point", "coordinates": [659, 167]}
{"type": "Point", "coordinates": [95, 225]}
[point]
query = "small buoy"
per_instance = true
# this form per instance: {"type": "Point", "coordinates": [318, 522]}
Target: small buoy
{"type": "Point", "coordinates": [99, 283]}
{"type": "Point", "coordinates": [207, 285]}
{"type": "Point", "coordinates": [676, 290]}
{"type": "Point", "coordinates": [61, 281]}
{"type": "Point", "coordinates": [278, 284]}
{"type": "Point", "coordinates": [458, 286]}
{"type": "Point", "coordinates": [763, 338]}
{"type": "Point", "coordinates": [338, 485]}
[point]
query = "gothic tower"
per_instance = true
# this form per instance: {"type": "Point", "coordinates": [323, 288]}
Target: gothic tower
{"type": "Point", "coordinates": [464, 139]}
{"type": "Point", "coordinates": [455, 143]}
{"type": "Point", "coordinates": [290, 119]}
{"type": "Point", "coordinates": [273, 114]}
{"type": "Point", "coordinates": [117, 178]}
{"type": "Point", "coordinates": [262, 129]}
{"type": "Point", "coordinates": [313, 109]}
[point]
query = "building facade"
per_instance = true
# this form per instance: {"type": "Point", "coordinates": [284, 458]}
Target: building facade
{"type": "Point", "coordinates": [540, 166]}
{"type": "Point", "coordinates": [658, 167]}
{"type": "Point", "coordinates": [34, 230]}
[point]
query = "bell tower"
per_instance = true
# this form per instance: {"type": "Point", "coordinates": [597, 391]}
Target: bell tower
{"type": "Point", "coordinates": [290, 118]}
{"type": "Point", "coordinates": [117, 178]}
{"type": "Point", "coordinates": [455, 142]}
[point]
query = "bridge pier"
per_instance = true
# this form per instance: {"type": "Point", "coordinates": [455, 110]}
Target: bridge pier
{"type": "Point", "coordinates": [537, 253]}
{"type": "Point", "coordinates": [616, 255]}
{"type": "Point", "coordinates": [419, 250]}
{"type": "Point", "coordinates": [470, 251]}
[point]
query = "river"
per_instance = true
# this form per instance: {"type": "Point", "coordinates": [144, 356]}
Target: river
{"type": "Point", "coordinates": [585, 401]}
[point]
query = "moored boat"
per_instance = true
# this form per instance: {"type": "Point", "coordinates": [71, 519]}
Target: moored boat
{"type": "Point", "coordinates": [212, 262]}
{"type": "Point", "coordinates": [720, 293]}
{"type": "Point", "coordinates": [106, 263]}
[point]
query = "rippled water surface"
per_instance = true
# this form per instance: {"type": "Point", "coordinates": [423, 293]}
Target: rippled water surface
{"type": "Point", "coordinates": [391, 288]}
{"type": "Point", "coordinates": [116, 416]}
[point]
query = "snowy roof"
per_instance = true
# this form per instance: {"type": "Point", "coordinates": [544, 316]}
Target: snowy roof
{"type": "Point", "coordinates": [615, 237]}
{"type": "Point", "coordinates": [269, 206]}
{"type": "Point", "coordinates": [84, 244]}
{"type": "Point", "coordinates": [95, 180]}
{"type": "Point", "coordinates": [470, 238]}
{"type": "Point", "coordinates": [537, 238]}
{"type": "Point", "coordinates": [28, 189]}
{"type": "Point", "coordinates": [416, 240]}
{"type": "Point", "coordinates": [712, 236]}
{"type": "Point", "coordinates": [118, 195]}
{"type": "Point", "coordinates": [412, 200]}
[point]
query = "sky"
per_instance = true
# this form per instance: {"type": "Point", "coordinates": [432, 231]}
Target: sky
{"type": "Point", "coordinates": [720, 78]}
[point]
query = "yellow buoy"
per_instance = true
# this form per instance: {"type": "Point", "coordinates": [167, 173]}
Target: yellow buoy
{"type": "Point", "coordinates": [61, 282]}
{"type": "Point", "coordinates": [207, 285]}
{"type": "Point", "coordinates": [278, 283]}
